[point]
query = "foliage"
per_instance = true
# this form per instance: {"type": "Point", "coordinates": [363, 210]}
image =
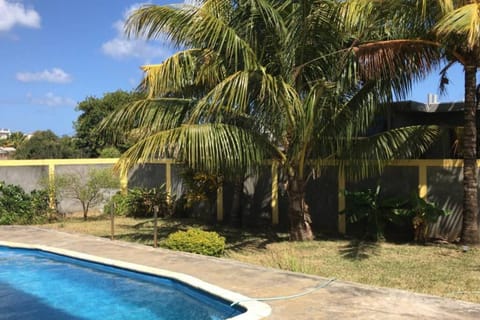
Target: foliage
{"type": "Point", "coordinates": [430, 32]}
{"type": "Point", "coordinates": [88, 190]}
{"type": "Point", "coordinates": [373, 211]}
{"type": "Point", "coordinates": [142, 201]}
{"type": "Point", "coordinates": [200, 186]}
{"type": "Point", "coordinates": [252, 83]}
{"type": "Point", "coordinates": [93, 110]}
{"type": "Point", "coordinates": [47, 145]}
{"type": "Point", "coordinates": [423, 214]}
{"type": "Point", "coordinates": [19, 207]}
{"type": "Point", "coordinates": [119, 203]}
{"type": "Point", "coordinates": [196, 241]}
{"type": "Point", "coordinates": [109, 152]}
{"type": "Point", "coordinates": [14, 140]}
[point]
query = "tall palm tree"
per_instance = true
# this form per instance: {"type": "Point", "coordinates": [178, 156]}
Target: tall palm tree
{"type": "Point", "coordinates": [258, 80]}
{"type": "Point", "coordinates": [430, 31]}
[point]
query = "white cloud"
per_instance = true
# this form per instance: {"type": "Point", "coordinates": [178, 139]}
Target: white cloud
{"type": "Point", "coordinates": [56, 75]}
{"type": "Point", "coordinates": [51, 100]}
{"type": "Point", "coordinates": [121, 47]}
{"type": "Point", "coordinates": [14, 13]}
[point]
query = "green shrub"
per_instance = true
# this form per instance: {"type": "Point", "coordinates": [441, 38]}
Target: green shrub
{"type": "Point", "coordinates": [120, 202]}
{"type": "Point", "coordinates": [196, 241]}
{"type": "Point", "coordinates": [19, 207]}
{"type": "Point", "coordinates": [373, 212]}
{"type": "Point", "coordinates": [110, 152]}
{"type": "Point", "coordinates": [141, 201]}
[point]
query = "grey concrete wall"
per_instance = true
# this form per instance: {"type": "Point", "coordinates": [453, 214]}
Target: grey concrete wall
{"type": "Point", "coordinates": [147, 176]}
{"type": "Point", "coordinates": [27, 177]}
{"type": "Point", "coordinates": [70, 205]}
{"type": "Point", "coordinates": [445, 189]}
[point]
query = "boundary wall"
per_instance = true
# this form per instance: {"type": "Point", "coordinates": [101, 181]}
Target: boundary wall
{"type": "Point", "coordinates": [438, 180]}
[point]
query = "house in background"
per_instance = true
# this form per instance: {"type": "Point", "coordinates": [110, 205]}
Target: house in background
{"type": "Point", "coordinates": [448, 115]}
{"type": "Point", "coordinates": [6, 152]}
{"type": "Point", "coordinates": [4, 134]}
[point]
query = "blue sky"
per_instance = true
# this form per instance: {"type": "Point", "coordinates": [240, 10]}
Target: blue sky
{"type": "Point", "coordinates": [55, 53]}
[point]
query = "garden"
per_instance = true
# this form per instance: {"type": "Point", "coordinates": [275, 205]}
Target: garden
{"type": "Point", "coordinates": [437, 268]}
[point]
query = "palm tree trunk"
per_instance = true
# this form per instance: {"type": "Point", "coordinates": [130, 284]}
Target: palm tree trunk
{"type": "Point", "coordinates": [298, 211]}
{"type": "Point", "coordinates": [470, 234]}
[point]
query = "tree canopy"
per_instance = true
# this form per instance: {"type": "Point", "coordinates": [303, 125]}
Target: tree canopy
{"type": "Point", "coordinates": [47, 145]}
{"type": "Point", "coordinates": [93, 111]}
{"type": "Point", "coordinates": [260, 80]}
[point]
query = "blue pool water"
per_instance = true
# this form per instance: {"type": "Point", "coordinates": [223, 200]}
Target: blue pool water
{"type": "Point", "coordinates": [39, 285]}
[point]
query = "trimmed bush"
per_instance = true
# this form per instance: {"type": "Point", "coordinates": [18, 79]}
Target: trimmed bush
{"type": "Point", "coordinates": [196, 241]}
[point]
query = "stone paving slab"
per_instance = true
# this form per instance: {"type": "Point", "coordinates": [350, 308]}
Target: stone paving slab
{"type": "Point", "coordinates": [339, 299]}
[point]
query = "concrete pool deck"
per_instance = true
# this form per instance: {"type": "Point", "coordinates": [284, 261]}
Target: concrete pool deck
{"type": "Point", "coordinates": [339, 299]}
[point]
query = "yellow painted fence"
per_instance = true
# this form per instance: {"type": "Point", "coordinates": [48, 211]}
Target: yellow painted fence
{"type": "Point", "coordinates": [421, 165]}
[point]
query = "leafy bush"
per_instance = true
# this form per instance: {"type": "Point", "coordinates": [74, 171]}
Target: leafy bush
{"type": "Point", "coordinates": [89, 191]}
{"type": "Point", "coordinates": [19, 207]}
{"type": "Point", "coordinates": [373, 212]}
{"type": "Point", "coordinates": [196, 241]}
{"type": "Point", "coordinates": [119, 202]}
{"type": "Point", "coordinates": [200, 186]}
{"type": "Point", "coordinates": [422, 213]}
{"type": "Point", "coordinates": [110, 152]}
{"type": "Point", "coordinates": [141, 201]}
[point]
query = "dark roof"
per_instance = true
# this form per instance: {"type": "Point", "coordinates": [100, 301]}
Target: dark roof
{"type": "Point", "coordinates": [414, 106]}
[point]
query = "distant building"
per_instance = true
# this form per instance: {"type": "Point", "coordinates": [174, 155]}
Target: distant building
{"type": "Point", "coordinates": [448, 115]}
{"type": "Point", "coordinates": [6, 152]}
{"type": "Point", "coordinates": [4, 134]}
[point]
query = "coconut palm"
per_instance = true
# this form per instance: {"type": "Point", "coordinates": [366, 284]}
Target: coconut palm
{"type": "Point", "coordinates": [258, 80]}
{"type": "Point", "coordinates": [424, 29]}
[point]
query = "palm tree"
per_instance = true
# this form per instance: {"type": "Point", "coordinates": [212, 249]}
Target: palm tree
{"type": "Point", "coordinates": [258, 80]}
{"type": "Point", "coordinates": [430, 31]}
{"type": "Point", "coordinates": [14, 140]}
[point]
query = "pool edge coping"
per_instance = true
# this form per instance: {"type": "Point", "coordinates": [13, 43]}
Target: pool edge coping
{"type": "Point", "coordinates": [255, 310]}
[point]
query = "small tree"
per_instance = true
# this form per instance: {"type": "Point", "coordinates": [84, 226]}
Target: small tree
{"type": "Point", "coordinates": [90, 190]}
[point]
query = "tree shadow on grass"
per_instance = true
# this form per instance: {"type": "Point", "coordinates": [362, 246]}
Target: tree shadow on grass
{"type": "Point", "coordinates": [143, 231]}
{"type": "Point", "coordinates": [237, 239]}
{"type": "Point", "coordinates": [359, 250]}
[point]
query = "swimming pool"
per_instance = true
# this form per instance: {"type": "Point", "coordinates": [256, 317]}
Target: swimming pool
{"type": "Point", "coordinates": [36, 284]}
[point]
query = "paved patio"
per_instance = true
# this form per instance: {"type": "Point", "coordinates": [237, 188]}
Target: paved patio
{"type": "Point", "coordinates": [340, 299]}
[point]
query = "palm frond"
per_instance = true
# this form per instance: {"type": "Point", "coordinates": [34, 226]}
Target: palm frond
{"type": "Point", "coordinates": [149, 115]}
{"type": "Point", "coordinates": [214, 148]}
{"type": "Point", "coordinates": [257, 94]}
{"type": "Point", "coordinates": [183, 72]}
{"type": "Point", "coordinates": [404, 61]}
{"type": "Point", "coordinates": [368, 156]}
{"type": "Point", "coordinates": [463, 21]}
{"type": "Point", "coordinates": [195, 27]}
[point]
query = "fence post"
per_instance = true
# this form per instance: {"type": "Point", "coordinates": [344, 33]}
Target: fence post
{"type": "Point", "coordinates": [51, 183]}
{"type": "Point", "coordinates": [422, 181]}
{"type": "Point", "coordinates": [274, 203]}
{"type": "Point", "coordinates": [113, 210]}
{"type": "Point", "coordinates": [155, 226]}
{"type": "Point", "coordinates": [342, 224]}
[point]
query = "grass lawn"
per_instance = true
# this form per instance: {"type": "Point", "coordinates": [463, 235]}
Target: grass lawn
{"type": "Point", "coordinates": [443, 270]}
